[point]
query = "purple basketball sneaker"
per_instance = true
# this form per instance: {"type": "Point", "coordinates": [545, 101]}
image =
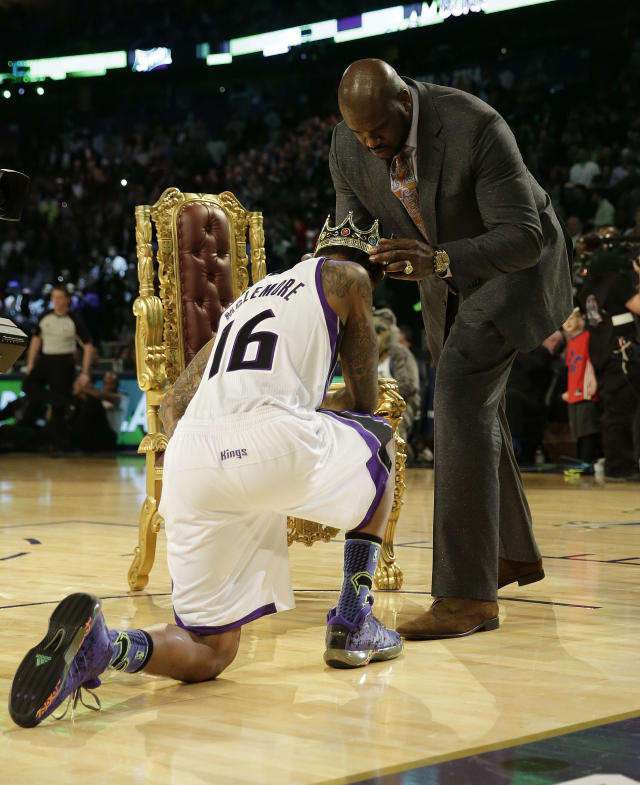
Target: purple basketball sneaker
{"type": "Point", "coordinates": [357, 643]}
{"type": "Point", "coordinates": [75, 650]}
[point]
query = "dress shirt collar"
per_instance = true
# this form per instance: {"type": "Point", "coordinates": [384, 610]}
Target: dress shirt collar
{"type": "Point", "coordinates": [411, 142]}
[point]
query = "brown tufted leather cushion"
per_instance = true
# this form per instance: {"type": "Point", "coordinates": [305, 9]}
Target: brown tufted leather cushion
{"type": "Point", "coordinates": [205, 273]}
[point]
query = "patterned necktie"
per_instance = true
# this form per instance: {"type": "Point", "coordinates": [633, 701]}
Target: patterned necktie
{"type": "Point", "coordinates": [404, 186]}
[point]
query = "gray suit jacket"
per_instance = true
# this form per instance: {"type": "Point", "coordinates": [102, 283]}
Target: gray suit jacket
{"type": "Point", "coordinates": [508, 251]}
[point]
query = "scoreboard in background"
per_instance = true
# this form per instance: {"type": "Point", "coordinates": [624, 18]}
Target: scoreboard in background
{"type": "Point", "coordinates": [134, 424]}
{"type": "Point", "coordinates": [367, 24]}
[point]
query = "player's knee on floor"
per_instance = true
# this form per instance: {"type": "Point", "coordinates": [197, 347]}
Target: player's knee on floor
{"type": "Point", "coordinates": [223, 648]}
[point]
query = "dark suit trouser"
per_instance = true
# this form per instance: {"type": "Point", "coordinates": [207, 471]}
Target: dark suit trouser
{"type": "Point", "coordinates": [480, 509]}
{"type": "Point", "coordinates": [620, 402]}
{"type": "Point", "coordinates": [51, 380]}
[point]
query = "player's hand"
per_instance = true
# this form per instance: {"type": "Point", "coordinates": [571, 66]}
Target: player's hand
{"type": "Point", "coordinates": [404, 259]}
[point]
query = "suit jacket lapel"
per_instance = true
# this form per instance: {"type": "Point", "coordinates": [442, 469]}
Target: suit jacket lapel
{"type": "Point", "coordinates": [430, 158]}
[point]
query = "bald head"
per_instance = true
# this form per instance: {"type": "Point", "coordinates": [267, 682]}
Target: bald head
{"type": "Point", "coordinates": [368, 81]}
{"type": "Point", "coordinates": [376, 105]}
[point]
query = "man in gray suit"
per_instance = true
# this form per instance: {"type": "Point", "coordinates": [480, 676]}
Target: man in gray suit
{"type": "Point", "coordinates": [482, 240]}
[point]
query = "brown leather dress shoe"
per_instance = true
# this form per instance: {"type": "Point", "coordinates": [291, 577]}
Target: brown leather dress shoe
{"type": "Point", "coordinates": [522, 571]}
{"type": "Point", "coordinates": [451, 617]}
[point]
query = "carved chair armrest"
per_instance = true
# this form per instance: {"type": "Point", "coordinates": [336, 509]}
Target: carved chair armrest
{"type": "Point", "coordinates": [150, 357]}
{"type": "Point", "coordinates": [391, 404]}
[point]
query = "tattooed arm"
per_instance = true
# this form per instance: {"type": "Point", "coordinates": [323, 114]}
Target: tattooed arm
{"type": "Point", "coordinates": [176, 399]}
{"type": "Point", "coordinates": [348, 291]}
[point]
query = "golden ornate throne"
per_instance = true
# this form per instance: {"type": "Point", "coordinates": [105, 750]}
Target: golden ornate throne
{"type": "Point", "coordinates": [201, 266]}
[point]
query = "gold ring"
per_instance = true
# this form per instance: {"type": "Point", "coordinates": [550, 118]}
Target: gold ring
{"type": "Point", "coordinates": [408, 268]}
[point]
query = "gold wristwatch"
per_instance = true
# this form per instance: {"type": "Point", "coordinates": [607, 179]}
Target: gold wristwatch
{"type": "Point", "coordinates": [441, 261]}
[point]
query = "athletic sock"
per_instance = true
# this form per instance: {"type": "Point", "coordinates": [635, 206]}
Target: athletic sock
{"type": "Point", "coordinates": [132, 649]}
{"type": "Point", "coordinates": [361, 552]}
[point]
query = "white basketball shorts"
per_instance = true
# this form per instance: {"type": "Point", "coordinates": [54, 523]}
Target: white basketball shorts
{"type": "Point", "coordinates": [228, 487]}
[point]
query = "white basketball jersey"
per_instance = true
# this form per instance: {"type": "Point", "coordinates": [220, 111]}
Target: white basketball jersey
{"type": "Point", "coordinates": [276, 348]}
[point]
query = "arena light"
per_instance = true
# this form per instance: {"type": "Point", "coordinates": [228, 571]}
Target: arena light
{"type": "Point", "coordinates": [251, 44]}
{"type": "Point", "coordinates": [223, 58]}
{"type": "Point", "coordinates": [282, 40]}
{"type": "Point", "coordinates": [365, 25]}
{"type": "Point", "coordinates": [275, 49]}
{"type": "Point", "coordinates": [64, 67]}
{"type": "Point", "coordinates": [449, 8]}
{"type": "Point", "coordinates": [145, 60]}
{"type": "Point", "coordinates": [318, 31]}
{"type": "Point", "coordinates": [372, 23]}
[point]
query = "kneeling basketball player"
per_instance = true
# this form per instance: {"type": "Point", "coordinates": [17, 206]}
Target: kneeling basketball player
{"type": "Point", "coordinates": [254, 437]}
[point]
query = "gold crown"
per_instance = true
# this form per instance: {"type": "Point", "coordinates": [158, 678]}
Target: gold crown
{"type": "Point", "coordinates": [348, 234]}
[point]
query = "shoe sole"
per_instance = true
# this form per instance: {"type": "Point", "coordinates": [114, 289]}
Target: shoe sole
{"type": "Point", "coordinates": [486, 626]}
{"type": "Point", "coordinates": [43, 670]}
{"type": "Point", "coordinates": [342, 658]}
{"type": "Point", "coordinates": [524, 580]}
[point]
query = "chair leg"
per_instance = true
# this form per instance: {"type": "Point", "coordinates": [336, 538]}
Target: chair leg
{"type": "Point", "coordinates": [388, 575]}
{"type": "Point", "coordinates": [145, 551]}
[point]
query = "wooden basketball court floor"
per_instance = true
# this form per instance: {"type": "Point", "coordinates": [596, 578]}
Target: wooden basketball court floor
{"type": "Point", "coordinates": [566, 656]}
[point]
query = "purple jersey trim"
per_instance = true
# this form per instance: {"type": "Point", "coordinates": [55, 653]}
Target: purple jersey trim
{"type": "Point", "coordinates": [265, 610]}
{"type": "Point", "coordinates": [378, 472]}
{"type": "Point", "coordinates": [330, 316]}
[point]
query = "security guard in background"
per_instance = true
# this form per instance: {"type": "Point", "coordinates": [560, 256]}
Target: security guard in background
{"type": "Point", "coordinates": [610, 297]}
